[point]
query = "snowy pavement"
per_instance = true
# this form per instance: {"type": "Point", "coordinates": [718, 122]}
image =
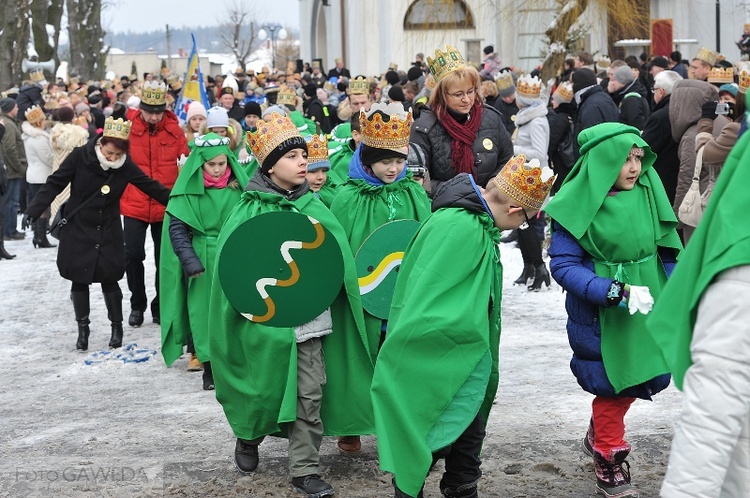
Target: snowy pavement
{"type": "Point", "coordinates": [118, 428]}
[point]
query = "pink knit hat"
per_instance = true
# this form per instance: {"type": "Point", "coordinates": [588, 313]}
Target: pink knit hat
{"type": "Point", "coordinates": [196, 109]}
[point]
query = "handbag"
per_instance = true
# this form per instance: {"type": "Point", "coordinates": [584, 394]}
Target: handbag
{"type": "Point", "coordinates": [691, 208]}
{"type": "Point", "coordinates": [61, 219]}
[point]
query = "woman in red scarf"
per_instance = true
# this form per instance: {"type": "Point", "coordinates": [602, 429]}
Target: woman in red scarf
{"type": "Point", "coordinates": [458, 133]}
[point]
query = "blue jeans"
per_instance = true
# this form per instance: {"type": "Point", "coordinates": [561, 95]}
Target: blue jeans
{"type": "Point", "coordinates": [12, 197]}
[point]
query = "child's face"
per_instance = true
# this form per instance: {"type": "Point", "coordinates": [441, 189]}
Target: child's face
{"type": "Point", "coordinates": [222, 132]}
{"type": "Point", "coordinates": [290, 171]}
{"type": "Point", "coordinates": [508, 215]}
{"type": "Point", "coordinates": [251, 120]}
{"type": "Point", "coordinates": [196, 122]}
{"type": "Point", "coordinates": [216, 167]}
{"type": "Point", "coordinates": [317, 179]}
{"type": "Point", "coordinates": [629, 173]}
{"type": "Point", "coordinates": [387, 170]}
{"type": "Point", "coordinates": [356, 137]}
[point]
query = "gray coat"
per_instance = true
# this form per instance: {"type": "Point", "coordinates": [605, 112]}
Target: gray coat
{"type": "Point", "coordinates": [492, 147]}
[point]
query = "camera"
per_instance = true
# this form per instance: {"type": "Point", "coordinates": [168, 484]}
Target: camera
{"type": "Point", "coordinates": [722, 109]}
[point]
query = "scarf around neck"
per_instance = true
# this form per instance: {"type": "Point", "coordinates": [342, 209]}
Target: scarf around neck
{"type": "Point", "coordinates": [462, 137]}
{"type": "Point", "coordinates": [221, 182]}
{"type": "Point", "coordinates": [106, 164]}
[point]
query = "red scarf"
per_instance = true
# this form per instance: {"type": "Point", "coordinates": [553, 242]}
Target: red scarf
{"type": "Point", "coordinates": [462, 137]}
{"type": "Point", "coordinates": [221, 182]}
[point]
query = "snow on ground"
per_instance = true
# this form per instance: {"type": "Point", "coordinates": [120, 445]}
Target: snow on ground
{"type": "Point", "coordinates": [118, 429]}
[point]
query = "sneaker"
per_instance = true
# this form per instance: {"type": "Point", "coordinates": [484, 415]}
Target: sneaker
{"type": "Point", "coordinates": [193, 364]}
{"type": "Point", "coordinates": [587, 445]}
{"type": "Point", "coordinates": [312, 486]}
{"type": "Point", "coordinates": [613, 473]}
{"type": "Point", "coordinates": [136, 318]}
{"type": "Point", "coordinates": [246, 456]}
{"type": "Point", "coordinates": [349, 444]}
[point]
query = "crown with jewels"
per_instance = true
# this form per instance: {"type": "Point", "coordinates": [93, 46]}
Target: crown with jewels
{"type": "Point", "coordinates": [317, 149]}
{"type": "Point", "coordinates": [525, 182]}
{"type": "Point", "coordinates": [504, 81]}
{"type": "Point", "coordinates": [721, 75]}
{"type": "Point", "coordinates": [445, 62]}
{"type": "Point", "coordinates": [743, 73]}
{"type": "Point", "coordinates": [154, 93]}
{"type": "Point", "coordinates": [529, 87]}
{"type": "Point", "coordinates": [116, 128]}
{"type": "Point", "coordinates": [286, 96]}
{"type": "Point", "coordinates": [359, 86]}
{"type": "Point", "coordinates": [269, 134]}
{"type": "Point", "coordinates": [385, 126]}
{"type": "Point", "coordinates": [706, 55]}
{"type": "Point", "coordinates": [564, 93]}
{"type": "Point", "coordinates": [34, 114]}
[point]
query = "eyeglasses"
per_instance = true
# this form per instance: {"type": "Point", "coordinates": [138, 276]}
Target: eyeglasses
{"type": "Point", "coordinates": [527, 222]}
{"type": "Point", "coordinates": [461, 95]}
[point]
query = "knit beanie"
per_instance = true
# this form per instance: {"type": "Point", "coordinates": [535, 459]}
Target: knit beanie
{"type": "Point", "coordinates": [311, 89]}
{"type": "Point", "coordinates": [65, 114]}
{"type": "Point", "coordinates": [273, 157]}
{"type": "Point", "coordinates": [217, 117]}
{"type": "Point", "coordinates": [253, 108]}
{"type": "Point", "coordinates": [134, 102]}
{"type": "Point", "coordinates": [275, 108]}
{"type": "Point", "coordinates": [396, 93]}
{"type": "Point", "coordinates": [624, 75]}
{"type": "Point", "coordinates": [371, 155]}
{"type": "Point", "coordinates": [81, 108]}
{"type": "Point", "coordinates": [414, 73]}
{"type": "Point", "coordinates": [392, 77]}
{"type": "Point", "coordinates": [584, 78]}
{"type": "Point", "coordinates": [196, 109]}
{"type": "Point", "coordinates": [7, 104]}
{"type": "Point", "coordinates": [488, 49]}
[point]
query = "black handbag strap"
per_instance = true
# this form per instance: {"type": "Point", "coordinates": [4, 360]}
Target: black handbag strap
{"type": "Point", "coordinates": [68, 217]}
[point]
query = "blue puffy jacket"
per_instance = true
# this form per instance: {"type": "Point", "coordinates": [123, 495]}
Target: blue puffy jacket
{"type": "Point", "coordinates": [573, 269]}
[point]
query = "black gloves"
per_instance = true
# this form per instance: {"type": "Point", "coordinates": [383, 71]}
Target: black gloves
{"type": "Point", "coordinates": [708, 110]}
{"type": "Point", "coordinates": [26, 222]}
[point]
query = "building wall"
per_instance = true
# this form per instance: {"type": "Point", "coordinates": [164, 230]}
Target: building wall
{"type": "Point", "coordinates": [151, 62]}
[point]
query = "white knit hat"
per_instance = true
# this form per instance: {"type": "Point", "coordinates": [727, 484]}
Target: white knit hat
{"type": "Point", "coordinates": [134, 102]}
{"type": "Point", "coordinates": [217, 118]}
{"type": "Point", "coordinates": [195, 109]}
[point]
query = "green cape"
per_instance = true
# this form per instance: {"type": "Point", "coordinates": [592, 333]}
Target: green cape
{"type": "Point", "coordinates": [304, 125]}
{"type": "Point", "coordinates": [255, 366]}
{"type": "Point", "coordinates": [184, 302]}
{"type": "Point", "coordinates": [340, 159]}
{"type": "Point", "coordinates": [361, 208]}
{"type": "Point", "coordinates": [621, 233]}
{"type": "Point", "coordinates": [718, 244]}
{"type": "Point", "coordinates": [329, 190]}
{"type": "Point", "coordinates": [438, 366]}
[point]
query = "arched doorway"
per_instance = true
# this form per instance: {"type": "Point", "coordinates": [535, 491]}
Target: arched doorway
{"type": "Point", "coordinates": [319, 48]}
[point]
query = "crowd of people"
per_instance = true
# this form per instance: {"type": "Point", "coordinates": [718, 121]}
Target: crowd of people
{"type": "Point", "coordinates": [328, 182]}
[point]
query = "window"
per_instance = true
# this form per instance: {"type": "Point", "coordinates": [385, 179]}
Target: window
{"type": "Point", "coordinates": [438, 14]}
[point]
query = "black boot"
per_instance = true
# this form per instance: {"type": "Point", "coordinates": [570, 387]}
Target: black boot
{"type": "Point", "coordinates": [528, 273]}
{"type": "Point", "coordinates": [113, 300]}
{"type": "Point", "coordinates": [541, 276]}
{"type": "Point", "coordinates": [208, 377]}
{"type": "Point", "coordinates": [40, 234]}
{"type": "Point", "coordinates": [81, 308]}
{"type": "Point", "coordinates": [3, 253]}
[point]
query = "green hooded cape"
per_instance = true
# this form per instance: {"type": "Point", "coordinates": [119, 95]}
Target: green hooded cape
{"type": "Point", "coordinates": [718, 244]}
{"type": "Point", "coordinates": [340, 158]}
{"type": "Point", "coordinates": [255, 366]}
{"type": "Point", "coordinates": [361, 208]}
{"type": "Point", "coordinates": [329, 190]}
{"type": "Point", "coordinates": [438, 366]}
{"type": "Point", "coordinates": [184, 301]}
{"type": "Point", "coordinates": [621, 233]}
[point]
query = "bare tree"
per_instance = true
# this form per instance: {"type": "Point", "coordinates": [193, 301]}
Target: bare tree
{"type": "Point", "coordinates": [286, 51]}
{"type": "Point", "coordinates": [240, 33]}
{"type": "Point", "coordinates": [44, 13]}
{"type": "Point", "coordinates": [14, 22]}
{"type": "Point", "coordinates": [87, 50]}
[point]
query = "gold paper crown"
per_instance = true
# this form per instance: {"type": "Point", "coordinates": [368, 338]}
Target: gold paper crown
{"type": "Point", "coordinates": [523, 182]}
{"type": "Point", "coordinates": [529, 87]}
{"type": "Point", "coordinates": [34, 114]}
{"type": "Point", "coordinates": [269, 134]}
{"type": "Point", "coordinates": [706, 55]}
{"type": "Point", "coordinates": [744, 78]}
{"type": "Point", "coordinates": [504, 81]}
{"type": "Point", "coordinates": [564, 92]}
{"type": "Point", "coordinates": [603, 62]}
{"type": "Point", "coordinates": [445, 62]}
{"type": "Point", "coordinates": [116, 128]}
{"type": "Point", "coordinates": [286, 96]}
{"type": "Point", "coordinates": [317, 148]}
{"type": "Point", "coordinates": [721, 75]}
{"type": "Point", "coordinates": [36, 76]}
{"type": "Point", "coordinates": [154, 93]}
{"type": "Point", "coordinates": [359, 86]}
{"type": "Point", "coordinates": [385, 126]}
{"type": "Point", "coordinates": [393, 66]}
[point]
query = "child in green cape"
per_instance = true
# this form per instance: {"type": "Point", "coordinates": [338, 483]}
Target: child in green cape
{"type": "Point", "coordinates": [614, 243]}
{"type": "Point", "coordinates": [318, 169]}
{"type": "Point", "coordinates": [437, 372]}
{"type": "Point", "coordinates": [269, 380]}
{"type": "Point", "coordinates": [208, 187]}
{"type": "Point", "coordinates": [378, 191]}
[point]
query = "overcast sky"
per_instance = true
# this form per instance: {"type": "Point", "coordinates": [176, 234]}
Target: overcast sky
{"type": "Point", "coordinates": [147, 15]}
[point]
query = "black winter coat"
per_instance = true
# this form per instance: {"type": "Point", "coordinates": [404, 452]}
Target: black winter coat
{"type": "Point", "coordinates": [315, 110]}
{"type": "Point", "coordinates": [91, 244]}
{"type": "Point", "coordinates": [29, 95]}
{"type": "Point", "coordinates": [492, 147]}
{"type": "Point", "coordinates": [559, 124]}
{"type": "Point", "coordinates": [658, 134]}
{"type": "Point", "coordinates": [633, 104]}
{"type": "Point", "coordinates": [507, 111]}
{"type": "Point", "coordinates": [596, 107]}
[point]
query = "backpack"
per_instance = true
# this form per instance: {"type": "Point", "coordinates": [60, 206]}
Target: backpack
{"type": "Point", "coordinates": [568, 147]}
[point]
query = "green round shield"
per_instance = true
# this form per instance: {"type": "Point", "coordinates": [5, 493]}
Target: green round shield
{"type": "Point", "coordinates": [378, 261]}
{"type": "Point", "coordinates": [281, 269]}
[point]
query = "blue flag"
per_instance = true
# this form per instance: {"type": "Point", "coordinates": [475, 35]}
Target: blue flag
{"type": "Point", "coordinates": [194, 88]}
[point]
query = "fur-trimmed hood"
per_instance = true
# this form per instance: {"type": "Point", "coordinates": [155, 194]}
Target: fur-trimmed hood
{"type": "Point", "coordinates": [67, 136]}
{"type": "Point", "coordinates": [32, 131]}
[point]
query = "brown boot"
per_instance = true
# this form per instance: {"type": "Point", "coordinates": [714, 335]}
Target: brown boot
{"type": "Point", "coordinates": [193, 364]}
{"type": "Point", "coordinates": [350, 444]}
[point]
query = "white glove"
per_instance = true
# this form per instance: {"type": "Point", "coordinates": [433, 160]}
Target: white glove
{"type": "Point", "coordinates": [640, 299]}
{"type": "Point", "coordinates": [181, 161]}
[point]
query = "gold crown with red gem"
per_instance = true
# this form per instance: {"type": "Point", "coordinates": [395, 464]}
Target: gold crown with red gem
{"type": "Point", "coordinates": [721, 75]}
{"type": "Point", "coordinates": [445, 62]}
{"type": "Point", "coordinates": [317, 149]}
{"type": "Point", "coordinates": [269, 134]}
{"type": "Point", "coordinates": [529, 87]}
{"type": "Point", "coordinates": [525, 182]}
{"type": "Point", "coordinates": [743, 73]}
{"type": "Point", "coordinates": [117, 128]}
{"type": "Point", "coordinates": [359, 86]}
{"type": "Point", "coordinates": [286, 96]}
{"type": "Point", "coordinates": [385, 126]}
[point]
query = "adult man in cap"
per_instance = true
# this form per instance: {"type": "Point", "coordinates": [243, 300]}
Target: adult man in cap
{"type": "Point", "coordinates": [317, 75]}
{"type": "Point", "coordinates": [657, 65]}
{"type": "Point", "coordinates": [14, 156]}
{"type": "Point", "coordinates": [629, 94]}
{"type": "Point", "coordinates": [156, 143]}
{"type": "Point", "coordinates": [230, 103]}
{"type": "Point", "coordinates": [315, 110]}
{"type": "Point", "coordinates": [594, 105]}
